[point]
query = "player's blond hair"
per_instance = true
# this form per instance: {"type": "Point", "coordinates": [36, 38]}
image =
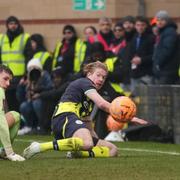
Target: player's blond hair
{"type": "Point", "coordinates": [92, 66]}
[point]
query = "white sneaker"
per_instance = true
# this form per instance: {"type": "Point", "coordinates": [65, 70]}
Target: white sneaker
{"type": "Point", "coordinates": [15, 157]}
{"type": "Point", "coordinates": [24, 130]}
{"type": "Point", "coordinates": [114, 136]}
{"type": "Point", "coordinates": [31, 150]}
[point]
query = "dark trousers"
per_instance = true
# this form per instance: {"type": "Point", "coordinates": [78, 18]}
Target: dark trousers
{"type": "Point", "coordinates": [169, 79]}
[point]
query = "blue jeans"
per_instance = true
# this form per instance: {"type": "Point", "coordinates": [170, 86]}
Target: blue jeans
{"type": "Point", "coordinates": [32, 112]}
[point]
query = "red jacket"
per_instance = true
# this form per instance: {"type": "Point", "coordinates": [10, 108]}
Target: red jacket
{"type": "Point", "coordinates": [99, 38]}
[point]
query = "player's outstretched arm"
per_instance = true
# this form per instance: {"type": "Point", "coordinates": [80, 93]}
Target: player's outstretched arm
{"type": "Point", "coordinates": [98, 100]}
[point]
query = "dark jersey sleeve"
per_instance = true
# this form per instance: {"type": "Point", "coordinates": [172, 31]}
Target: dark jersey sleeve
{"type": "Point", "coordinates": [86, 85]}
{"type": "Point", "coordinates": [76, 90]}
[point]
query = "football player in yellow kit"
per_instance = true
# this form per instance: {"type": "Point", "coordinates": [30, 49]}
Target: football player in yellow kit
{"type": "Point", "coordinates": [71, 124]}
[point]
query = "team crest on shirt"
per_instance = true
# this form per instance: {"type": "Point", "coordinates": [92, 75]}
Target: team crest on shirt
{"type": "Point", "coordinates": [78, 122]}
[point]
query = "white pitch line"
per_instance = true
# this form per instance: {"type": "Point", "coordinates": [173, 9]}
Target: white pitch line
{"type": "Point", "coordinates": [120, 149]}
{"type": "Point", "coordinates": [28, 140]}
{"type": "Point", "coordinates": [150, 151]}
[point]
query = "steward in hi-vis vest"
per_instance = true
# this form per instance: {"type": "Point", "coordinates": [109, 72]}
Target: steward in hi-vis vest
{"type": "Point", "coordinates": [40, 52]}
{"type": "Point", "coordinates": [11, 54]}
{"type": "Point", "coordinates": [14, 53]}
{"type": "Point", "coordinates": [112, 64]}
{"type": "Point", "coordinates": [80, 50]}
{"type": "Point", "coordinates": [70, 52]}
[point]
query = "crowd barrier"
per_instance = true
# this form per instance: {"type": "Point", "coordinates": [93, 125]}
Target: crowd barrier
{"type": "Point", "coordinates": [161, 104]}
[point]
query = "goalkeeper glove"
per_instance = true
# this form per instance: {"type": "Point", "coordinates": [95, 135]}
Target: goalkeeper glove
{"type": "Point", "coordinates": [15, 157]}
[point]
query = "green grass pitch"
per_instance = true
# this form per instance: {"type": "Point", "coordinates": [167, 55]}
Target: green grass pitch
{"type": "Point", "coordinates": [136, 161]}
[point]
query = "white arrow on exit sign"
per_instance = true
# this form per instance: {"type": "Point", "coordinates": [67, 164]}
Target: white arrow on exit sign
{"type": "Point", "coordinates": [99, 4]}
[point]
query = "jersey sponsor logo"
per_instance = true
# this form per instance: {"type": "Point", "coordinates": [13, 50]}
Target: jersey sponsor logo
{"type": "Point", "coordinates": [85, 104]}
{"type": "Point", "coordinates": [78, 122]}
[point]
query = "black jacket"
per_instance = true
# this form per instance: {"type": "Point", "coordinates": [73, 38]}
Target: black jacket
{"type": "Point", "coordinates": [165, 60]}
{"type": "Point", "coordinates": [125, 56]}
{"type": "Point", "coordinates": [55, 93]}
{"type": "Point", "coordinates": [67, 62]}
{"type": "Point", "coordinates": [145, 52]}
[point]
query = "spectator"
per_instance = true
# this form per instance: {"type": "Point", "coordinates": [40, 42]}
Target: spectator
{"type": "Point", "coordinates": [118, 44]}
{"type": "Point", "coordinates": [14, 52]}
{"type": "Point", "coordinates": [40, 51]}
{"type": "Point", "coordinates": [129, 26]}
{"type": "Point", "coordinates": [165, 60]}
{"type": "Point", "coordinates": [141, 51]}
{"type": "Point", "coordinates": [70, 53]}
{"type": "Point", "coordinates": [89, 31]}
{"type": "Point", "coordinates": [31, 109]}
{"type": "Point", "coordinates": [50, 98]}
{"type": "Point", "coordinates": [105, 35]}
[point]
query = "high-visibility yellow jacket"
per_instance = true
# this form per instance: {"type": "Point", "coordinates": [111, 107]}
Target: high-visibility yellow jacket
{"type": "Point", "coordinates": [12, 54]}
{"type": "Point", "coordinates": [42, 56]}
{"type": "Point", "coordinates": [80, 50]}
{"type": "Point", "coordinates": [110, 65]}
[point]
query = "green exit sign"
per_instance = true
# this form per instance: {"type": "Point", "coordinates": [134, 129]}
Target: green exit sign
{"type": "Point", "coordinates": [85, 5]}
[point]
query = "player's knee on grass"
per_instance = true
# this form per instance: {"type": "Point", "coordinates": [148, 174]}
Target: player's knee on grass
{"type": "Point", "coordinates": [16, 116]}
{"type": "Point", "coordinates": [86, 137]}
{"type": "Point", "coordinates": [12, 118]}
{"type": "Point", "coordinates": [84, 144]}
{"type": "Point", "coordinates": [87, 145]}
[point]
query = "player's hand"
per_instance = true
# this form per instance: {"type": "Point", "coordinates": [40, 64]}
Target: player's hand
{"type": "Point", "coordinates": [15, 157]}
{"type": "Point", "coordinates": [23, 81]}
{"type": "Point", "coordinates": [137, 120]}
{"type": "Point", "coordinates": [136, 60]}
